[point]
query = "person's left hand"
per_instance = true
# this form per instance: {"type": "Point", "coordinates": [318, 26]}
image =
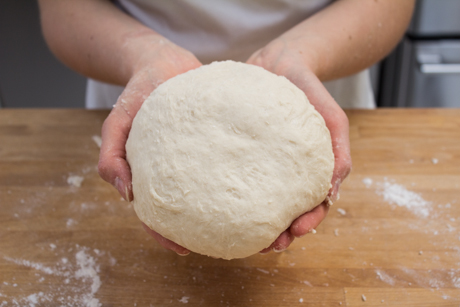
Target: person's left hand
{"type": "Point", "coordinates": [280, 58]}
{"type": "Point", "coordinates": [157, 61]}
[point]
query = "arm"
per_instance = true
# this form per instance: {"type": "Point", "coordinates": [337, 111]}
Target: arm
{"type": "Point", "coordinates": [96, 39]}
{"type": "Point", "coordinates": [93, 38]}
{"type": "Point", "coordinates": [343, 39]}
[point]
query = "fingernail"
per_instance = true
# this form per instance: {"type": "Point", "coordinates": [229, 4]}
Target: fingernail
{"type": "Point", "coordinates": [313, 231]}
{"type": "Point", "coordinates": [279, 249]}
{"type": "Point", "coordinates": [121, 188]}
{"type": "Point", "coordinates": [264, 253]}
{"type": "Point", "coordinates": [186, 254]}
{"type": "Point", "coordinates": [127, 194]}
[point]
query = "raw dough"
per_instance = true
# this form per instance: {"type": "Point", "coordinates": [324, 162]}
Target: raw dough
{"type": "Point", "coordinates": [225, 157]}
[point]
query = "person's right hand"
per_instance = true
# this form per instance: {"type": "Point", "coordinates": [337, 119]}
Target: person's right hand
{"type": "Point", "coordinates": [281, 58]}
{"type": "Point", "coordinates": [160, 61]}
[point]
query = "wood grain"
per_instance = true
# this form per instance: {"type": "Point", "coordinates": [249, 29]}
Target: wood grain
{"type": "Point", "coordinates": [377, 251]}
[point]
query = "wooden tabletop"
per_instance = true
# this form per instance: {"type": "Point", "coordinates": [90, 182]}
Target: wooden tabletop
{"type": "Point", "coordinates": [392, 239]}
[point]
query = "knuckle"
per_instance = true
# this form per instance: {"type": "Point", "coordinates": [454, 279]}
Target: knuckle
{"type": "Point", "coordinates": [102, 169]}
{"type": "Point", "coordinates": [273, 50]}
{"type": "Point", "coordinates": [346, 167]}
{"type": "Point", "coordinates": [342, 116]}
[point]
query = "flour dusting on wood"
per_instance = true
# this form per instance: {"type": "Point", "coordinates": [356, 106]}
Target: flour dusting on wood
{"type": "Point", "coordinates": [98, 140]}
{"type": "Point", "coordinates": [75, 180]}
{"type": "Point", "coordinates": [385, 277]}
{"type": "Point", "coordinates": [397, 194]}
{"type": "Point", "coordinates": [83, 271]}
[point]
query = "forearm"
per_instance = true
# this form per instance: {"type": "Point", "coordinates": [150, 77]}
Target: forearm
{"type": "Point", "coordinates": [349, 35]}
{"type": "Point", "coordinates": [95, 38]}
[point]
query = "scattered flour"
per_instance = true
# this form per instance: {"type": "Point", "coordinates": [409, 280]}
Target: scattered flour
{"type": "Point", "coordinates": [33, 299]}
{"type": "Point", "coordinates": [112, 261]}
{"type": "Point", "coordinates": [341, 211]}
{"type": "Point", "coordinates": [37, 266]}
{"type": "Point", "coordinates": [336, 232]}
{"type": "Point", "coordinates": [98, 140]}
{"type": "Point", "coordinates": [80, 281]}
{"type": "Point", "coordinates": [263, 271]}
{"type": "Point", "coordinates": [88, 271]}
{"type": "Point", "coordinates": [363, 297]}
{"type": "Point", "coordinates": [70, 222]}
{"type": "Point", "coordinates": [397, 194]}
{"type": "Point", "coordinates": [184, 299]}
{"type": "Point", "coordinates": [434, 161]}
{"type": "Point", "coordinates": [75, 180]}
{"type": "Point", "coordinates": [367, 182]}
{"type": "Point", "coordinates": [434, 280]}
{"type": "Point", "coordinates": [455, 277]}
{"type": "Point", "coordinates": [385, 277]}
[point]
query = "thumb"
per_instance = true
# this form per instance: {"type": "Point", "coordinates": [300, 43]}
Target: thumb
{"type": "Point", "coordinates": [113, 166]}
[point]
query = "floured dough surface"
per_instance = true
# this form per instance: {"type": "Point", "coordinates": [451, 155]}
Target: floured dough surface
{"type": "Point", "coordinates": [225, 157]}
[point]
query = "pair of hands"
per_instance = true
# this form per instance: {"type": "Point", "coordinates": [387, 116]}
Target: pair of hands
{"type": "Point", "coordinates": [164, 60]}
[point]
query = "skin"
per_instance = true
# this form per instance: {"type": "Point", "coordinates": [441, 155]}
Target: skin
{"type": "Point", "coordinates": [345, 38]}
{"type": "Point", "coordinates": [101, 42]}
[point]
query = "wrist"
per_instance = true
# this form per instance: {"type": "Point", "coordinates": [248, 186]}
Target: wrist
{"type": "Point", "coordinates": [148, 52]}
{"type": "Point", "coordinates": [138, 49]}
{"type": "Point", "coordinates": [283, 56]}
{"type": "Point", "coordinates": [307, 57]}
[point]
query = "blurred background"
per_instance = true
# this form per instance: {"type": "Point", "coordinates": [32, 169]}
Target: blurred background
{"type": "Point", "coordinates": [422, 71]}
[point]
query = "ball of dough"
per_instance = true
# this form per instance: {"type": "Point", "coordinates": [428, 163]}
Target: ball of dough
{"type": "Point", "coordinates": [225, 157]}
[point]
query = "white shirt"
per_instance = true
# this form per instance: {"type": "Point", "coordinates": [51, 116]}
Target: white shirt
{"type": "Point", "coordinates": [215, 30]}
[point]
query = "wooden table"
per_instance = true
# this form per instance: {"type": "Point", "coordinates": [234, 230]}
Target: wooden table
{"type": "Point", "coordinates": [61, 244]}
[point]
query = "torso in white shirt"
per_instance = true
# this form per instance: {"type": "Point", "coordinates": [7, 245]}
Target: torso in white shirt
{"type": "Point", "coordinates": [215, 30]}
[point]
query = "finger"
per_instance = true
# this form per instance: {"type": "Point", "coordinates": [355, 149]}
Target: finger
{"type": "Point", "coordinates": [342, 168]}
{"type": "Point", "coordinates": [113, 166]}
{"type": "Point", "coordinates": [339, 130]}
{"type": "Point", "coordinates": [270, 57]}
{"type": "Point", "coordinates": [309, 221]}
{"type": "Point", "coordinates": [281, 243]}
{"type": "Point", "coordinates": [336, 121]}
{"type": "Point", "coordinates": [168, 244]}
{"type": "Point", "coordinates": [254, 59]}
